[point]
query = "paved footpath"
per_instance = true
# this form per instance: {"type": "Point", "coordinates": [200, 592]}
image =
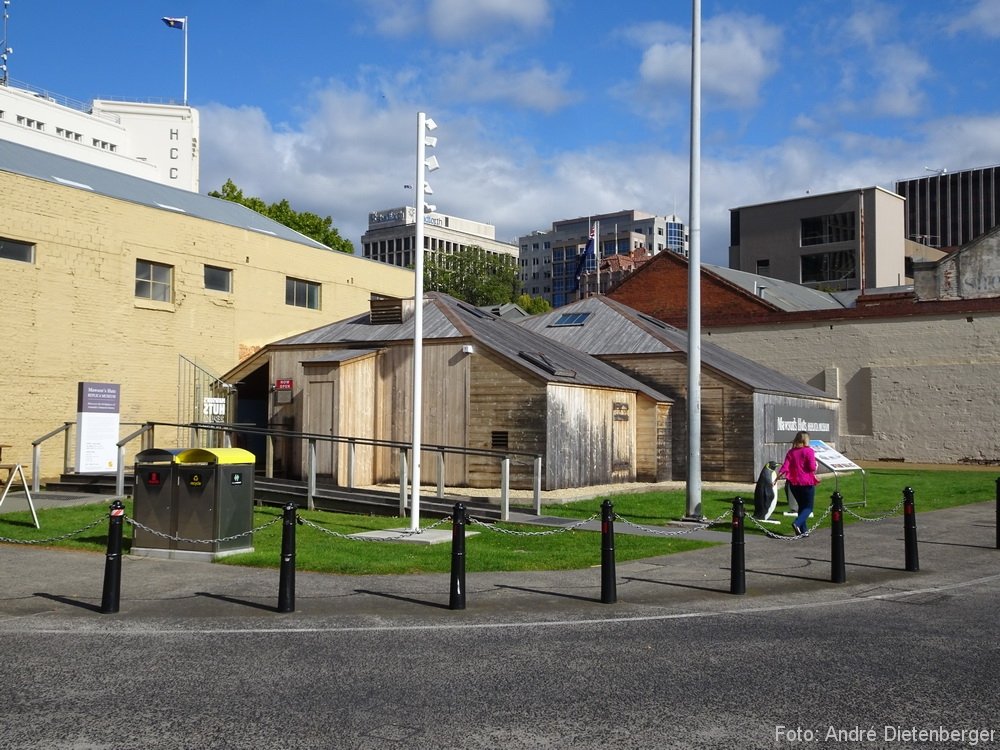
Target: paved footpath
{"type": "Point", "coordinates": [65, 587]}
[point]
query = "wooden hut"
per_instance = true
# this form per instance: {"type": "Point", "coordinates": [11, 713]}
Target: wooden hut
{"type": "Point", "coordinates": [747, 409]}
{"type": "Point", "coordinates": [488, 384]}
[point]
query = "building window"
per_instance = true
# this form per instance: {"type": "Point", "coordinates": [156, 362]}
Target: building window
{"type": "Point", "coordinates": [219, 279]}
{"type": "Point", "coordinates": [823, 230]}
{"type": "Point", "coordinates": [828, 267]}
{"type": "Point", "coordinates": [21, 251]}
{"type": "Point", "coordinates": [764, 267]}
{"type": "Point", "coordinates": [302, 293]}
{"type": "Point", "coordinates": [153, 280]}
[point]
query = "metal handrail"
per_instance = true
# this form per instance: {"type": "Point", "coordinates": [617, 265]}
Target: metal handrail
{"type": "Point", "coordinates": [36, 453]}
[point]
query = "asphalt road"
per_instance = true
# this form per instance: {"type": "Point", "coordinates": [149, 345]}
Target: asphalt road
{"type": "Point", "coordinates": [198, 658]}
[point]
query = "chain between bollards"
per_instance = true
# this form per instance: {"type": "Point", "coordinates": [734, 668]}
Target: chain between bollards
{"type": "Point", "coordinates": [286, 580]}
{"type": "Point", "coordinates": [609, 588]}
{"type": "Point", "coordinates": [838, 570]}
{"type": "Point", "coordinates": [737, 566]}
{"type": "Point", "coordinates": [111, 596]}
{"type": "Point", "coordinates": [910, 530]}
{"type": "Point", "coordinates": [456, 596]}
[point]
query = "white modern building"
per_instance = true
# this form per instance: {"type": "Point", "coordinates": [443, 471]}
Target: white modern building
{"type": "Point", "coordinates": [157, 142]}
{"type": "Point", "coordinates": [550, 263]}
{"type": "Point", "coordinates": [392, 233]}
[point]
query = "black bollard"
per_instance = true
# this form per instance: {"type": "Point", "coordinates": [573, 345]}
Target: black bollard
{"type": "Point", "coordinates": [111, 596]}
{"type": "Point", "coordinates": [286, 580]}
{"type": "Point", "coordinates": [737, 565]}
{"type": "Point", "coordinates": [910, 530]}
{"type": "Point", "coordinates": [456, 598]}
{"type": "Point", "coordinates": [838, 572]}
{"type": "Point", "coordinates": [609, 589]}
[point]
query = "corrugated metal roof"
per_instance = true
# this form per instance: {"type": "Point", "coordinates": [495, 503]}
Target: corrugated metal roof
{"type": "Point", "coordinates": [59, 170]}
{"type": "Point", "coordinates": [613, 328]}
{"type": "Point", "coordinates": [446, 317]}
{"type": "Point", "coordinates": [785, 295]}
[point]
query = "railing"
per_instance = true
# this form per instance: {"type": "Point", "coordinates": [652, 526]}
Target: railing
{"type": "Point", "coordinates": [312, 439]}
{"type": "Point", "coordinates": [36, 451]}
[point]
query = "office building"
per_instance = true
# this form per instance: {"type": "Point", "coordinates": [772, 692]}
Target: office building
{"type": "Point", "coordinates": [392, 233]}
{"type": "Point", "coordinates": [852, 239]}
{"type": "Point", "coordinates": [552, 262]}
{"type": "Point", "coordinates": [950, 209]}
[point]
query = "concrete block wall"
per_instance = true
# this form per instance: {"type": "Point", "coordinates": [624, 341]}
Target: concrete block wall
{"type": "Point", "coordinates": [921, 387]}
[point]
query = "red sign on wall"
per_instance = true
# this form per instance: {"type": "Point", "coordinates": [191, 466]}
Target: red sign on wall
{"type": "Point", "coordinates": [283, 385]}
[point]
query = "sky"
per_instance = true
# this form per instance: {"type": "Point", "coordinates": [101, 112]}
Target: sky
{"type": "Point", "coordinates": [546, 109]}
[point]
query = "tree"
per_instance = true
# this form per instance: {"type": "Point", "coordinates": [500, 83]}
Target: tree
{"type": "Point", "coordinates": [304, 222]}
{"type": "Point", "coordinates": [473, 275]}
{"type": "Point", "coordinates": [533, 305]}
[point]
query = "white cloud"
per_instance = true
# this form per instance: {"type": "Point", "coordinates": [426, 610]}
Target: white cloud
{"type": "Point", "coordinates": [982, 18]}
{"type": "Point", "coordinates": [458, 19]}
{"type": "Point", "coordinates": [739, 54]}
{"type": "Point", "coordinates": [484, 78]}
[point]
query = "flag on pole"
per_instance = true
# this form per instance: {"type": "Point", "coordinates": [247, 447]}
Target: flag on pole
{"type": "Point", "coordinates": [589, 253]}
{"type": "Point", "coordinates": [174, 23]}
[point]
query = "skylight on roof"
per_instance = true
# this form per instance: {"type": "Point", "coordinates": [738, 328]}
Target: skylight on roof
{"type": "Point", "coordinates": [570, 319]}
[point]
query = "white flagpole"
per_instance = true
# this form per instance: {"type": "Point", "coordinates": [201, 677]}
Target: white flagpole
{"type": "Point", "coordinates": [186, 21]}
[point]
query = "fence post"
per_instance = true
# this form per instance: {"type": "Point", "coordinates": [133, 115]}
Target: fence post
{"type": "Point", "coordinates": [737, 565]}
{"type": "Point", "coordinates": [838, 572]}
{"type": "Point", "coordinates": [910, 530]}
{"type": "Point", "coordinates": [111, 596]}
{"type": "Point", "coordinates": [286, 581]}
{"type": "Point", "coordinates": [456, 598]}
{"type": "Point", "coordinates": [609, 590]}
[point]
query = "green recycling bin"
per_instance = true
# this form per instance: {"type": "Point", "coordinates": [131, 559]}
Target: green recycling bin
{"type": "Point", "coordinates": [209, 498]}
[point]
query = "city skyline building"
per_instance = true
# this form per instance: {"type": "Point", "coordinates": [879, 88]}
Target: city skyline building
{"type": "Point", "coordinates": [391, 236]}
{"type": "Point", "coordinates": [552, 262]}
{"type": "Point", "coordinates": [950, 209]}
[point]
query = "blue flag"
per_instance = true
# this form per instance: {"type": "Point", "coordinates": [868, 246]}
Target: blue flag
{"type": "Point", "coordinates": [174, 23]}
{"type": "Point", "coordinates": [587, 255]}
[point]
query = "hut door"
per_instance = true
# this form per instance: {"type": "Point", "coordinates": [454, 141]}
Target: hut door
{"type": "Point", "coordinates": [321, 417]}
{"type": "Point", "coordinates": [621, 442]}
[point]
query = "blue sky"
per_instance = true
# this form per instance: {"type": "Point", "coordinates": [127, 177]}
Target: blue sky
{"type": "Point", "coordinates": [547, 109]}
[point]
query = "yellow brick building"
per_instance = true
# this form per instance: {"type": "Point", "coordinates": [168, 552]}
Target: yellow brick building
{"type": "Point", "coordinates": [109, 278]}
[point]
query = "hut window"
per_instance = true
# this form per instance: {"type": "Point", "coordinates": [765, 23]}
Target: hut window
{"type": "Point", "coordinates": [499, 440]}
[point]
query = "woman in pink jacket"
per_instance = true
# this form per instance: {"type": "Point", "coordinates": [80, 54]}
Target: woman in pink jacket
{"type": "Point", "coordinates": [799, 470]}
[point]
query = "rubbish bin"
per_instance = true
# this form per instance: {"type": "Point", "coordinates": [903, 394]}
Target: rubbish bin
{"type": "Point", "coordinates": [210, 496]}
{"type": "Point", "coordinates": [154, 499]}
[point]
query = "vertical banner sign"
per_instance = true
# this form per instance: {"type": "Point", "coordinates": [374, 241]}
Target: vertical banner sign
{"type": "Point", "coordinates": [97, 420]}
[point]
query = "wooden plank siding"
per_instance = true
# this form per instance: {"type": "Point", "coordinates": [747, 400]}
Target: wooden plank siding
{"type": "Point", "coordinates": [581, 445]}
{"type": "Point", "coordinates": [727, 449]}
{"type": "Point", "coordinates": [505, 400]}
{"type": "Point", "coordinates": [653, 442]}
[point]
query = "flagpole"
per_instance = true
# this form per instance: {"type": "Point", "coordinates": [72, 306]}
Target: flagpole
{"type": "Point", "coordinates": [186, 22]}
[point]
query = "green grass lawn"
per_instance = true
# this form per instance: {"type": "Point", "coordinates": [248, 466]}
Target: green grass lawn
{"type": "Point", "coordinates": [86, 527]}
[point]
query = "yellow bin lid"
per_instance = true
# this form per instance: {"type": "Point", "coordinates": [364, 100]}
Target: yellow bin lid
{"type": "Point", "coordinates": [215, 456]}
